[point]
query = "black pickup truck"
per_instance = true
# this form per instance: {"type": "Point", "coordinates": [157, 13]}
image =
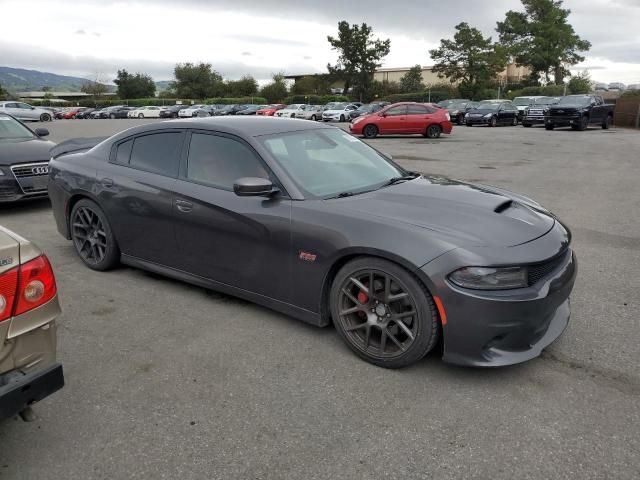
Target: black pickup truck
{"type": "Point", "coordinates": [578, 112]}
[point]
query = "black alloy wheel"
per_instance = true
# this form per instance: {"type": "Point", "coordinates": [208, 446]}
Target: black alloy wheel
{"type": "Point", "coordinates": [383, 312]}
{"type": "Point", "coordinates": [370, 131]}
{"type": "Point", "coordinates": [433, 131]}
{"type": "Point", "coordinates": [45, 117]}
{"type": "Point", "coordinates": [92, 236]}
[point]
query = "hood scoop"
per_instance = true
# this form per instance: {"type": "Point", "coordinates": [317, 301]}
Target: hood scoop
{"type": "Point", "coordinates": [503, 206]}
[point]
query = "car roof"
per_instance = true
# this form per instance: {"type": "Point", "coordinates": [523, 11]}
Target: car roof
{"type": "Point", "coordinates": [242, 127]}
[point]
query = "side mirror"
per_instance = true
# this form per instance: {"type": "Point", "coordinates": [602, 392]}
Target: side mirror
{"type": "Point", "coordinates": [41, 132]}
{"type": "Point", "coordinates": [254, 187]}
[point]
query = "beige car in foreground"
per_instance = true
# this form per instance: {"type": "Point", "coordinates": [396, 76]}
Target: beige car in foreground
{"type": "Point", "coordinates": [28, 309]}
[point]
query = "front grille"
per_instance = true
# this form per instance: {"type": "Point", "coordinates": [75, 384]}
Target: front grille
{"type": "Point", "coordinates": [32, 177]}
{"type": "Point", "coordinates": [537, 272]}
{"type": "Point", "coordinates": [563, 112]}
{"type": "Point", "coordinates": [535, 113]}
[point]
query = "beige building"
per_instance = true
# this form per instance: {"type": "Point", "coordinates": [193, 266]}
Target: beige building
{"type": "Point", "coordinates": [512, 74]}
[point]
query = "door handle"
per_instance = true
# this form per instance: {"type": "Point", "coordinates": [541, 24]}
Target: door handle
{"type": "Point", "coordinates": [184, 206]}
{"type": "Point", "coordinates": [106, 182]}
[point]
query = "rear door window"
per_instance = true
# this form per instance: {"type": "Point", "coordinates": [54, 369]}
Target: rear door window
{"type": "Point", "coordinates": [396, 111]}
{"type": "Point", "coordinates": [157, 153]}
{"type": "Point", "coordinates": [417, 110]}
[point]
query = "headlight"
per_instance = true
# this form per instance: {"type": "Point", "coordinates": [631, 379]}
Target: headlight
{"type": "Point", "coordinates": [489, 278]}
{"type": "Point", "coordinates": [466, 115]}
{"type": "Point", "coordinates": [488, 115]}
{"type": "Point", "coordinates": [1, 173]}
{"type": "Point", "coordinates": [455, 112]}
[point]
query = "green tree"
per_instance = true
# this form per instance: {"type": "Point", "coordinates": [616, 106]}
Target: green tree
{"type": "Point", "coordinates": [469, 58]}
{"type": "Point", "coordinates": [381, 89]}
{"type": "Point", "coordinates": [197, 81]}
{"type": "Point", "coordinates": [312, 85]}
{"type": "Point", "coordinates": [412, 80]}
{"type": "Point", "coordinates": [359, 56]}
{"type": "Point", "coordinates": [3, 93]}
{"type": "Point", "coordinates": [542, 39]}
{"type": "Point", "coordinates": [245, 87]}
{"type": "Point", "coordinates": [275, 91]}
{"type": "Point", "coordinates": [580, 83]}
{"type": "Point", "coordinates": [134, 85]}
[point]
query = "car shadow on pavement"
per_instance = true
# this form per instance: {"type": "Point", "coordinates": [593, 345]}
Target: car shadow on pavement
{"type": "Point", "coordinates": [26, 207]}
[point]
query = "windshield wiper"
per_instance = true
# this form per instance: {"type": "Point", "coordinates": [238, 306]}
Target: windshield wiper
{"type": "Point", "coordinates": [404, 178]}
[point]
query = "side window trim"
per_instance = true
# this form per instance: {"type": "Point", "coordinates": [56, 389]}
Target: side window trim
{"type": "Point", "coordinates": [182, 173]}
{"type": "Point", "coordinates": [114, 150]}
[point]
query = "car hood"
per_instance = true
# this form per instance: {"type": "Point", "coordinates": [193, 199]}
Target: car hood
{"type": "Point", "coordinates": [14, 151]}
{"type": "Point", "coordinates": [471, 214]}
{"type": "Point", "coordinates": [567, 106]}
{"type": "Point", "coordinates": [484, 111]}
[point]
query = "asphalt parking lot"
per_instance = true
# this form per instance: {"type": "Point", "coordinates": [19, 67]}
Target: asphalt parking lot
{"type": "Point", "coordinates": [167, 380]}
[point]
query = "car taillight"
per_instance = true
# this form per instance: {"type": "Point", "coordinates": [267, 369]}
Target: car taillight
{"type": "Point", "coordinates": [8, 287]}
{"type": "Point", "coordinates": [36, 285]}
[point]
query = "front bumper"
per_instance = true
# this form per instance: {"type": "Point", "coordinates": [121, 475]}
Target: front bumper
{"type": "Point", "coordinates": [497, 328]}
{"type": "Point", "coordinates": [477, 120]}
{"type": "Point", "coordinates": [562, 120]}
{"type": "Point", "coordinates": [533, 120]}
{"type": "Point", "coordinates": [18, 391]}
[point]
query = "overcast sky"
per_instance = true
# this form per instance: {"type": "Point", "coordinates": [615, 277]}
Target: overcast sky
{"type": "Point", "coordinates": [259, 37]}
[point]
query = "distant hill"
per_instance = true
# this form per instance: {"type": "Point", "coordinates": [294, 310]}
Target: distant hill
{"type": "Point", "coordinates": [162, 85]}
{"type": "Point", "coordinates": [21, 80]}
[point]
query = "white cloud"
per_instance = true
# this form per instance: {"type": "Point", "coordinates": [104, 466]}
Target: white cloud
{"type": "Point", "coordinates": [82, 36]}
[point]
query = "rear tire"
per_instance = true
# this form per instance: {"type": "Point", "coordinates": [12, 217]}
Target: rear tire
{"type": "Point", "coordinates": [527, 125]}
{"type": "Point", "coordinates": [370, 131]}
{"type": "Point", "coordinates": [313, 118]}
{"type": "Point", "coordinates": [433, 131]}
{"type": "Point", "coordinates": [140, 115]}
{"type": "Point", "coordinates": [92, 236]}
{"type": "Point", "coordinates": [404, 334]}
{"type": "Point", "coordinates": [45, 117]}
{"type": "Point", "coordinates": [606, 125]}
{"type": "Point", "coordinates": [112, 116]}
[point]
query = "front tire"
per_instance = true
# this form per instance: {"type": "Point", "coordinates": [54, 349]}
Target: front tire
{"type": "Point", "coordinates": [493, 122]}
{"type": "Point", "coordinates": [370, 131]}
{"type": "Point", "coordinates": [383, 313]}
{"type": "Point", "coordinates": [584, 123]}
{"type": "Point", "coordinates": [140, 115]}
{"type": "Point", "coordinates": [92, 236]}
{"type": "Point", "coordinates": [313, 118]}
{"type": "Point", "coordinates": [549, 126]}
{"type": "Point", "coordinates": [341, 118]}
{"type": "Point", "coordinates": [112, 116]}
{"type": "Point", "coordinates": [45, 117]}
{"type": "Point", "coordinates": [433, 131]}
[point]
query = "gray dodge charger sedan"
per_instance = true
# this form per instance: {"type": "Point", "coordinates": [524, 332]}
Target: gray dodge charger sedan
{"type": "Point", "coordinates": [310, 221]}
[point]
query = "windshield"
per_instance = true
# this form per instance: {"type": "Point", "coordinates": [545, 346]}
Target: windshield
{"type": "Point", "coordinates": [326, 162]}
{"type": "Point", "coordinates": [522, 101]}
{"type": "Point", "coordinates": [457, 105]}
{"type": "Point", "coordinates": [575, 101]}
{"type": "Point", "coordinates": [488, 106]}
{"type": "Point", "coordinates": [547, 100]}
{"type": "Point", "coordinates": [10, 128]}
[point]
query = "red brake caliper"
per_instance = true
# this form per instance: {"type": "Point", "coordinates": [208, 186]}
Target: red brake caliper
{"type": "Point", "coordinates": [363, 298]}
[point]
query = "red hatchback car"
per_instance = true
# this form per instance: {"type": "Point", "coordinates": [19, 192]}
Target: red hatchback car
{"type": "Point", "coordinates": [270, 110]}
{"type": "Point", "coordinates": [404, 118]}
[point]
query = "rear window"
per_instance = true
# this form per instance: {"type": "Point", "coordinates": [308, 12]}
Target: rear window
{"type": "Point", "coordinates": [157, 153]}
